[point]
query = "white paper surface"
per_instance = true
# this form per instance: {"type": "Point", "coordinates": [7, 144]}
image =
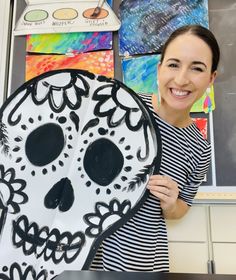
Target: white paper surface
{"type": "Point", "coordinates": [64, 16]}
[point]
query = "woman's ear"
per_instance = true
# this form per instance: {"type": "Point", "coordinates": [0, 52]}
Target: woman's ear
{"type": "Point", "coordinates": [212, 78]}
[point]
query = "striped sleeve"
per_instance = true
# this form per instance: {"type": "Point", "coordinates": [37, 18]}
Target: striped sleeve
{"type": "Point", "coordinates": [196, 177]}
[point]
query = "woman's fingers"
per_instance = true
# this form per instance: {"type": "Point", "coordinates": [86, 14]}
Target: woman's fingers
{"type": "Point", "coordinates": [159, 189]}
{"type": "Point", "coordinates": [161, 180]}
{"type": "Point", "coordinates": [163, 187]}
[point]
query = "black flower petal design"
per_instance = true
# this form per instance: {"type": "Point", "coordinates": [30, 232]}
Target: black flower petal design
{"type": "Point", "coordinates": [16, 272]}
{"type": "Point", "coordinates": [103, 212]}
{"type": "Point", "coordinates": [58, 96]}
{"type": "Point", "coordinates": [112, 104]}
{"type": "Point", "coordinates": [11, 190]}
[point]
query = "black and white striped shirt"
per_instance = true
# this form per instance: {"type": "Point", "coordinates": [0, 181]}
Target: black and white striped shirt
{"type": "Point", "coordinates": [142, 244]}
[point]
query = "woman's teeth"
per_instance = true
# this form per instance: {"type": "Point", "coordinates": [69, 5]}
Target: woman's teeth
{"type": "Point", "coordinates": [178, 92]}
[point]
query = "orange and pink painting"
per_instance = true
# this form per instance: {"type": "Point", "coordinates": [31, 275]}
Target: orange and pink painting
{"type": "Point", "coordinates": [100, 62]}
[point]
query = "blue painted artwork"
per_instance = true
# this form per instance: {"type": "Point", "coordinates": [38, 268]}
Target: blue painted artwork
{"type": "Point", "coordinates": [146, 24]}
{"type": "Point", "coordinates": [140, 73]}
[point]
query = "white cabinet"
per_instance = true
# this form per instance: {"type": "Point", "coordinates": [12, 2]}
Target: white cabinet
{"type": "Point", "coordinates": [188, 257]}
{"type": "Point", "coordinates": [204, 240]}
{"type": "Point", "coordinates": [188, 242]}
{"type": "Point", "coordinates": [224, 255]}
{"type": "Point", "coordinates": [192, 227]}
{"type": "Point", "coordinates": [223, 237]}
{"type": "Point", "coordinates": [223, 223]}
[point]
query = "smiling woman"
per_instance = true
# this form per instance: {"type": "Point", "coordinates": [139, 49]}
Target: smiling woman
{"type": "Point", "coordinates": [187, 67]}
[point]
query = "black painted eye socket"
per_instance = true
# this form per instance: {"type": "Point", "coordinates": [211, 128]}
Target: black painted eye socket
{"type": "Point", "coordinates": [44, 144]}
{"type": "Point", "coordinates": [44, 141]}
{"type": "Point", "coordinates": [103, 161]}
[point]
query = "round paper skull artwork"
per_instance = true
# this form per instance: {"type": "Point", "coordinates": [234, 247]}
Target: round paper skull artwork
{"type": "Point", "coordinates": [77, 151]}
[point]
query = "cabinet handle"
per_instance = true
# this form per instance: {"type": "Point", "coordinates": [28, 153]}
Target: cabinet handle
{"type": "Point", "coordinates": [211, 267]}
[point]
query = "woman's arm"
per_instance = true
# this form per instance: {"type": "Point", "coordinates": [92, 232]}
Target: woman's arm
{"type": "Point", "coordinates": [178, 211]}
{"type": "Point", "coordinates": [166, 189]}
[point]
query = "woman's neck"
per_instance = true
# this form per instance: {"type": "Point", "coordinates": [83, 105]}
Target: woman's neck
{"type": "Point", "coordinates": [171, 116]}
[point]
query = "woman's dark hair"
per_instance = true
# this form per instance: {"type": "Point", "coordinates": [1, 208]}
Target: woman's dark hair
{"type": "Point", "coordinates": [201, 32]}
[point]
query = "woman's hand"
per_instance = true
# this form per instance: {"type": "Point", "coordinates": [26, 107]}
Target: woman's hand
{"type": "Point", "coordinates": [167, 191]}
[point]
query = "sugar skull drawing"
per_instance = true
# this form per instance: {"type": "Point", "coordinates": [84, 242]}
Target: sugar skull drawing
{"type": "Point", "coordinates": [76, 153]}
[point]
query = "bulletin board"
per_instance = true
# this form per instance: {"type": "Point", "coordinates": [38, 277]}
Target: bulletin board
{"type": "Point", "coordinates": [221, 178]}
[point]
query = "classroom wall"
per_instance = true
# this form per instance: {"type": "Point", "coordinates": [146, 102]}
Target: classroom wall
{"type": "Point", "coordinates": [222, 17]}
{"type": "Point", "coordinates": [222, 23]}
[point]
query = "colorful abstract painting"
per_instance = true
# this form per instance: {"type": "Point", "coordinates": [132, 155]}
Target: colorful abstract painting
{"type": "Point", "coordinates": [201, 124]}
{"type": "Point", "coordinates": [72, 42]}
{"type": "Point", "coordinates": [205, 104]}
{"type": "Point", "coordinates": [146, 24]}
{"type": "Point", "coordinates": [62, 43]}
{"type": "Point", "coordinates": [101, 62]}
{"type": "Point", "coordinates": [140, 74]}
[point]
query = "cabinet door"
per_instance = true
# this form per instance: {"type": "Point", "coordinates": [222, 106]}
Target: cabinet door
{"type": "Point", "coordinates": [188, 247]}
{"type": "Point", "coordinates": [192, 227]}
{"type": "Point", "coordinates": [224, 258]}
{"type": "Point", "coordinates": [223, 226]}
{"type": "Point", "coordinates": [186, 257]}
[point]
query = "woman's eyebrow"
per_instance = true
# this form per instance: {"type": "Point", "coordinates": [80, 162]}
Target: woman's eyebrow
{"type": "Point", "coordinates": [194, 62]}
{"type": "Point", "coordinates": [199, 62]}
{"type": "Point", "coordinates": [173, 59]}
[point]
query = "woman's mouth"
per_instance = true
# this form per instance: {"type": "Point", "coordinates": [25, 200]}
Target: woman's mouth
{"type": "Point", "coordinates": [179, 93]}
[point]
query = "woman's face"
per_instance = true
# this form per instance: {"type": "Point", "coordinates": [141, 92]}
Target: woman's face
{"type": "Point", "coordinates": [185, 72]}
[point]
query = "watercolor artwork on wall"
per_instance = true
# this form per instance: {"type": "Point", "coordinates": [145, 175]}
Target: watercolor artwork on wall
{"type": "Point", "coordinates": [100, 62]}
{"type": "Point", "coordinates": [140, 73]}
{"type": "Point", "coordinates": [146, 24]}
{"type": "Point", "coordinates": [54, 16]}
{"type": "Point", "coordinates": [206, 103]}
{"type": "Point", "coordinates": [73, 42]}
{"type": "Point", "coordinates": [201, 124]}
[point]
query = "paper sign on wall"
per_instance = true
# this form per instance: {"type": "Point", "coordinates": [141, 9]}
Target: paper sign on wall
{"type": "Point", "coordinates": [60, 16]}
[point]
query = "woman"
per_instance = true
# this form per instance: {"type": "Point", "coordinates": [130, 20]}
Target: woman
{"type": "Point", "coordinates": [187, 68]}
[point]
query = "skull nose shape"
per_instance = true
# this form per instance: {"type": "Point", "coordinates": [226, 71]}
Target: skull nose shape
{"type": "Point", "coordinates": [61, 195]}
{"type": "Point", "coordinates": [103, 161]}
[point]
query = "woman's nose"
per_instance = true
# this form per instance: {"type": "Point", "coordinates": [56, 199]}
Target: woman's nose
{"type": "Point", "coordinates": [181, 77]}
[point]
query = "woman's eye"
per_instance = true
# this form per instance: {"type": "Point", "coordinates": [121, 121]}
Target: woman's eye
{"type": "Point", "coordinates": [173, 65]}
{"type": "Point", "coordinates": [198, 69]}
